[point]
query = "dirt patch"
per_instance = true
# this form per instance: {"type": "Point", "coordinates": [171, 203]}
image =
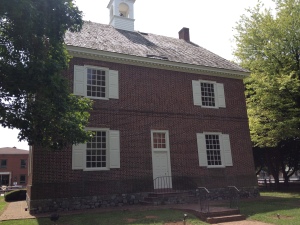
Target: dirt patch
{"type": "Point", "coordinates": [151, 217]}
{"type": "Point", "coordinates": [283, 217]}
{"type": "Point", "coordinates": [130, 220]}
{"type": "Point", "coordinates": [176, 223]}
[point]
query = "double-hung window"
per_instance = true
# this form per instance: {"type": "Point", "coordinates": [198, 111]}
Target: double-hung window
{"type": "Point", "coordinates": [101, 152]}
{"type": "Point", "coordinates": [96, 82]}
{"type": "Point", "coordinates": [23, 163]}
{"type": "Point", "coordinates": [96, 150]}
{"type": "Point", "coordinates": [214, 150]}
{"type": "Point", "coordinates": [3, 163]}
{"type": "Point", "coordinates": [208, 94]}
{"type": "Point", "coordinates": [22, 179]}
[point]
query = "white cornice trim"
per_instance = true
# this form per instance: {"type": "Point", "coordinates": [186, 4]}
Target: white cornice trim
{"type": "Point", "coordinates": [153, 63]}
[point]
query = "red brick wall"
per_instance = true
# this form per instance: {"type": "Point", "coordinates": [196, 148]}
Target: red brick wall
{"type": "Point", "coordinates": [14, 167]}
{"type": "Point", "coordinates": [155, 99]}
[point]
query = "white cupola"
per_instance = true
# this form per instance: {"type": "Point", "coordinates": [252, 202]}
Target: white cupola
{"type": "Point", "coordinates": [121, 14]}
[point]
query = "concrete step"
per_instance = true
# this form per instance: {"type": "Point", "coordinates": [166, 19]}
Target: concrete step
{"type": "Point", "coordinates": [221, 212]}
{"type": "Point", "coordinates": [223, 219]}
{"type": "Point", "coordinates": [167, 194]}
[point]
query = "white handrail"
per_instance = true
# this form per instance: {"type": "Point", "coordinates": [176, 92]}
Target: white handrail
{"type": "Point", "coordinates": [204, 189]}
{"type": "Point", "coordinates": [234, 188]}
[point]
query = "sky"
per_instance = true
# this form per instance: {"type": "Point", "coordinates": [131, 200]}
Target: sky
{"type": "Point", "coordinates": [211, 24]}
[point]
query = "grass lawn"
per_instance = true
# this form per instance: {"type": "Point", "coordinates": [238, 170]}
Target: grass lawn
{"type": "Point", "coordinates": [3, 204]}
{"type": "Point", "coordinates": [264, 209]}
{"type": "Point", "coordinates": [287, 205]}
{"type": "Point", "coordinates": [155, 217]}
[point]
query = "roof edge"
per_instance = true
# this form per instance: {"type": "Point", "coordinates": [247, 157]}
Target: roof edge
{"type": "Point", "coordinates": [154, 63]}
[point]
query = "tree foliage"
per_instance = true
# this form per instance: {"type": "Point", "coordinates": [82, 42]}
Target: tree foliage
{"type": "Point", "coordinates": [34, 95]}
{"type": "Point", "coordinates": [268, 44]}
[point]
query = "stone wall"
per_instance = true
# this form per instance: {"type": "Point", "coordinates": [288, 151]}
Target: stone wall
{"type": "Point", "coordinates": [120, 200]}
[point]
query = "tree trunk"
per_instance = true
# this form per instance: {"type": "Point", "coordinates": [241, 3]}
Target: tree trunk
{"type": "Point", "coordinates": [284, 173]}
{"type": "Point", "coordinates": [273, 162]}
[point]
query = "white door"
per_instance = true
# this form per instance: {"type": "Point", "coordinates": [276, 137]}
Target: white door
{"type": "Point", "coordinates": [162, 178]}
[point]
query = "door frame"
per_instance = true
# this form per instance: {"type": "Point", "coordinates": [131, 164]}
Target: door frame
{"type": "Point", "coordinates": [166, 150]}
{"type": "Point", "coordinates": [6, 174]}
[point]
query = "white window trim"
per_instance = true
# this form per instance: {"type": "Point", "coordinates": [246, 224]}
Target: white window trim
{"type": "Point", "coordinates": [166, 132]}
{"type": "Point", "coordinates": [112, 153]}
{"type": "Point", "coordinates": [107, 151]}
{"type": "Point", "coordinates": [222, 150]}
{"type": "Point", "coordinates": [215, 93]}
{"type": "Point", "coordinates": [196, 84]}
{"type": "Point", "coordinates": [111, 82]}
{"type": "Point", "coordinates": [86, 67]}
{"type": "Point", "coordinates": [167, 149]}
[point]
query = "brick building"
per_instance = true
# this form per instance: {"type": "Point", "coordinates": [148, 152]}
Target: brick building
{"type": "Point", "coordinates": [13, 166]}
{"type": "Point", "coordinates": [164, 109]}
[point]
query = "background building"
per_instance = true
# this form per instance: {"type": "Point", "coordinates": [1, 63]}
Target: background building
{"type": "Point", "coordinates": [13, 166]}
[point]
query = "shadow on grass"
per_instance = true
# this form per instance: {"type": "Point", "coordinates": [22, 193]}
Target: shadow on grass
{"type": "Point", "coordinates": [266, 204]}
{"type": "Point", "coordinates": [157, 217]}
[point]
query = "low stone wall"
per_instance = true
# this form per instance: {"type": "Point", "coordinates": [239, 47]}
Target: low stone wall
{"type": "Point", "coordinates": [91, 202]}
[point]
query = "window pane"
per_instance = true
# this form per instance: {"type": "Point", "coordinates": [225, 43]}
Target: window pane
{"type": "Point", "coordinates": [208, 94]}
{"type": "Point", "coordinates": [96, 83]}
{"type": "Point", "coordinates": [159, 140]}
{"type": "Point", "coordinates": [213, 150]}
{"type": "Point", "coordinates": [3, 163]}
{"type": "Point", "coordinates": [23, 163]}
{"type": "Point", "coordinates": [22, 179]}
{"type": "Point", "coordinates": [96, 151]}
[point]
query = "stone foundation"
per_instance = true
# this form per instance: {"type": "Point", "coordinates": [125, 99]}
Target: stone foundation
{"type": "Point", "coordinates": [119, 200]}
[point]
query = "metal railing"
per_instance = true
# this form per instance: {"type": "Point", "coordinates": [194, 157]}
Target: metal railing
{"type": "Point", "coordinates": [234, 197]}
{"type": "Point", "coordinates": [203, 199]}
{"type": "Point", "coordinates": [173, 184]}
{"type": "Point", "coordinates": [163, 184]}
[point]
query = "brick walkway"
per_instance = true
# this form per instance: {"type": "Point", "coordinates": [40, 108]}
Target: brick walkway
{"type": "Point", "coordinates": [16, 210]}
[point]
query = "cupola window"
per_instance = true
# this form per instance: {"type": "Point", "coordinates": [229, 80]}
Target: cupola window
{"type": "Point", "coordinates": [124, 10]}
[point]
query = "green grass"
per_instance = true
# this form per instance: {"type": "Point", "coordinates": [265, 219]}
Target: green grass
{"type": "Point", "coordinates": [266, 209]}
{"type": "Point", "coordinates": [154, 217]}
{"type": "Point", "coordinates": [3, 204]}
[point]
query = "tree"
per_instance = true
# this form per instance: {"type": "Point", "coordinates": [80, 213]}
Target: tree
{"type": "Point", "coordinates": [290, 158]}
{"type": "Point", "coordinates": [34, 95]}
{"type": "Point", "coordinates": [268, 44]}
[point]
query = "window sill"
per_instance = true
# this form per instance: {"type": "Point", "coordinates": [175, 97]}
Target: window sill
{"type": "Point", "coordinates": [96, 169]}
{"type": "Point", "coordinates": [209, 107]}
{"type": "Point", "coordinates": [96, 98]}
{"type": "Point", "coordinates": [216, 167]}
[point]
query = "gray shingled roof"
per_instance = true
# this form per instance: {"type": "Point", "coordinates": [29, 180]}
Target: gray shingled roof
{"type": "Point", "coordinates": [14, 151]}
{"type": "Point", "coordinates": [107, 38]}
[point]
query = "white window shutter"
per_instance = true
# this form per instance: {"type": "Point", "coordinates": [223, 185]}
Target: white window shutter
{"type": "Point", "coordinates": [202, 150]}
{"type": "Point", "coordinates": [197, 92]}
{"type": "Point", "coordinates": [78, 156]}
{"type": "Point", "coordinates": [221, 96]}
{"type": "Point", "coordinates": [113, 84]}
{"type": "Point", "coordinates": [227, 150]}
{"type": "Point", "coordinates": [114, 148]}
{"type": "Point", "coordinates": [79, 81]}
